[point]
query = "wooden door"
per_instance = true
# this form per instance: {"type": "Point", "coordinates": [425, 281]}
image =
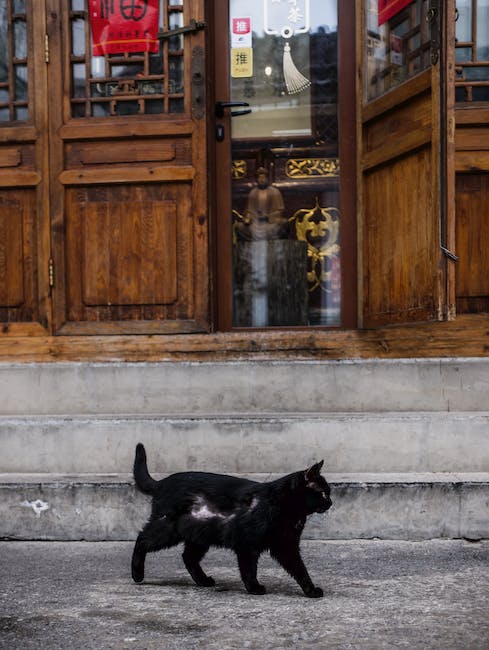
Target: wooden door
{"type": "Point", "coordinates": [127, 177]}
{"type": "Point", "coordinates": [24, 234]}
{"type": "Point", "coordinates": [406, 166]}
{"type": "Point", "coordinates": [285, 164]}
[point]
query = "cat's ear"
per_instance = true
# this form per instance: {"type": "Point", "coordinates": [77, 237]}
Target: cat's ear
{"type": "Point", "coordinates": [314, 471]}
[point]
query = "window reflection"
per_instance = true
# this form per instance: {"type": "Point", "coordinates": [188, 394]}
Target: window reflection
{"type": "Point", "coordinates": [397, 49]}
{"type": "Point", "coordinates": [285, 188]}
{"type": "Point", "coordinates": [127, 83]}
{"type": "Point", "coordinates": [472, 51]}
{"type": "Point", "coordinates": [13, 62]}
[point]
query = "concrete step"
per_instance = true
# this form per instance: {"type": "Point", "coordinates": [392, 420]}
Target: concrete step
{"type": "Point", "coordinates": [349, 442]}
{"type": "Point", "coordinates": [183, 388]}
{"type": "Point", "coordinates": [385, 506]}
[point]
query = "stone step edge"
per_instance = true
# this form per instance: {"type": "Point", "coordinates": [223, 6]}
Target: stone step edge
{"type": "Point", "coordinates": [107, 507]}
{"type": "Point", "coordinates": [6, 419]}
{"type": "Point", "coordinates": [367, 479]}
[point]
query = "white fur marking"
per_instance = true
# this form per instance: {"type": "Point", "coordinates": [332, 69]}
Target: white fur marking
{"type": "Point", "coordinates": [201, 510]}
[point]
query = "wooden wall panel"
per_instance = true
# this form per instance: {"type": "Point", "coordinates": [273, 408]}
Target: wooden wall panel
{"type": "Point", "coordinates": [399, 284]}
{"type": "Point", "coordinates": [11, 258]}
{"type": "Point", "coordinates": [413, 118]}
{"type": "Point", "coordinates": [472, 233]}
{"type": "Point", "coordinates": [18, 257]}
{"type": "Point", "coordinates": [129, 253]}
{"type": "Point", "coordinates": [129, 256]}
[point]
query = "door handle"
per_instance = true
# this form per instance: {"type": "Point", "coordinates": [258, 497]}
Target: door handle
{"type": "Point", "coordinates": [220, 106]}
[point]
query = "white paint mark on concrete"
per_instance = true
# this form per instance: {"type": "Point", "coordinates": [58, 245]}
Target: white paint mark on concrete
{"type": "Point", "coordinates": [37, 506]}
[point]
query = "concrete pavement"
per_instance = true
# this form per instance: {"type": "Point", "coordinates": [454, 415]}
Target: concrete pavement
{"type": "Point", "coordinates": [378, 594]}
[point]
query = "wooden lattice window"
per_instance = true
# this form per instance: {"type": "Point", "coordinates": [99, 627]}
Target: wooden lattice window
{"type": "Point", "coordinates": [398, 49]}
{"type": "Point", "coordinates": [130, 83]}
{"type": "Point", "coordinates": [14, 106]}
{"type": "Point", "coordinates": [472, 51]}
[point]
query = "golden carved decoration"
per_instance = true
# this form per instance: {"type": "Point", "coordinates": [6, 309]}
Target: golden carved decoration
{"type": "Point", "coordinates": [237, 218]}
{"type": "Point", "coordinates": [239, 169]}
{"type": "Point", "coordinates": [307, 167]}
{"type": "Point", "coordinates": [319, 228]}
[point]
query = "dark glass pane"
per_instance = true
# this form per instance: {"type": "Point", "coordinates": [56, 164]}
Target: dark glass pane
{"type": "Point", "coordinates": [21, 113]}
{"type": "Point", "coordinates": [78, 80]}
{"type": "Point", "coordinates": [21, 82]}
{"type": "Point", "coordinates": [3, 44]}
{"type": "Point", "coordinates": [285, 228]}
{"type": "Point", "coordinates": [463, 54]}
{"type": "Point", "coordinates": [154, 106]}
{"type": "Point", "coordinates": [78, 37]}
{"type": "Point", "coordinates": [20, 41]}
{"type": "Point", "coordinates": [127, 108]}
{"type": "Point", "coordinates": [395, 49]}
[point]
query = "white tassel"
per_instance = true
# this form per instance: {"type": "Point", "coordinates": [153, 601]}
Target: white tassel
{"type": "Point", "coordinates": [294, 80]}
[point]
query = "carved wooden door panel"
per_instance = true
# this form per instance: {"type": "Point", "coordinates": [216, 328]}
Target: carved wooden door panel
{"type": "Point", "coordinates": [127, 174]}
{"type": "Point", "coordinates": [407, 171]}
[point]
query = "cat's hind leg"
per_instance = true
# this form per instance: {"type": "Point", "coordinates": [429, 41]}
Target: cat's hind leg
{"type": "Point", "coordinates": [192, 555]}
{"type": "Point", "coordinates": [156, 535]}
{"type": "Point", "coordinates": [248, 565]}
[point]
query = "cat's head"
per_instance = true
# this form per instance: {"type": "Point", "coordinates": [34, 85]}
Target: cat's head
{"type": "Point", "coordinates": [317, 490]}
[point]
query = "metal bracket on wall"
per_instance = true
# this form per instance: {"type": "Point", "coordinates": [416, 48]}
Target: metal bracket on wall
{"type": "Point", "coordinates": [433, 19]}
{"type": "Point", "coordinates": [198, 82]}
{"type": "Point", "coordinates": [449, 254]}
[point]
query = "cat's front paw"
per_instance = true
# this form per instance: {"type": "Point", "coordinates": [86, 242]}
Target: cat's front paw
{"type": "Point", "coordinates": [137, 572]}
{"type": "Point", "coordinates": [137, 576]}
{"type": "Point", "coordinates": [207, 582]}
{"type": "Point", "coordinates": [256, 590]}
{"type": "Point", "coordinates": [314, 592]}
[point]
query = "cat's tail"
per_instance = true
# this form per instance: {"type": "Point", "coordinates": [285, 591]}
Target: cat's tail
{"type": "Point", "coordinates": [144, 481]}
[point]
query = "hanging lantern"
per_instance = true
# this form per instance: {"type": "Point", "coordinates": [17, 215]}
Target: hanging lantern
{"type": "Point", "coordinates": [288, 18]}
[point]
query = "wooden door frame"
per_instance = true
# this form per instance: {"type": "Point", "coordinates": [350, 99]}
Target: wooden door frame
{"type": "Point", "coordinates": [221, 200]}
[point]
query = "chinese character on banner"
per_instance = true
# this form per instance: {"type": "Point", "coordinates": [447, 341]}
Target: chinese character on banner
{"type": "Point", "coordinates": [389, 8]}
{"type": "Point", "coordinates": [120, 26]}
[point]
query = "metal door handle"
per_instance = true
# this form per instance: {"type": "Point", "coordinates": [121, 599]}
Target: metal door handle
{"type": "Point", "coordinates": [220, 106]}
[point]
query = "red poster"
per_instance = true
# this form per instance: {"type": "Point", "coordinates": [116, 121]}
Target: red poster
{"type": "Point", "coordinates": [389, 8]}
{"type": "Point", "coordinates": [123, 26]}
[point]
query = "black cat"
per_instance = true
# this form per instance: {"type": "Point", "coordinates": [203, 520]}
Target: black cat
{"type": "Point", "coordinates": [204, 510]}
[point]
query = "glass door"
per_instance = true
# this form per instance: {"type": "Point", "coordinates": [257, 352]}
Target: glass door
{"type": "Point", "coordinates": [278, 127]}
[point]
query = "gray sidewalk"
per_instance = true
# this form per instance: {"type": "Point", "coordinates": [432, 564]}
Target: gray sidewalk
{"type": "Point", "coordinates": [378, 594]}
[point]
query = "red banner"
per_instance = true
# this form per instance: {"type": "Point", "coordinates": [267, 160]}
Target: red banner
{"type": "Point", "coordinates": [389, 8]}
{"type": "Point", "coordinates": [123, 26]}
